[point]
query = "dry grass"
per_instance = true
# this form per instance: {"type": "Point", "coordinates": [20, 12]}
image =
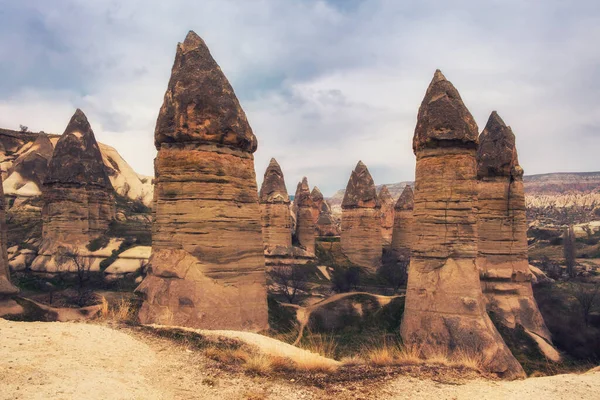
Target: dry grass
{"type": "Point", "coordinates": [352, 361]}
{"type": "Point", "coordinates": [259, 364]}
{"type": "Point", "coordinates": [382, 356]}
{"type": "Point", "coordinates": [227, 356]}
{"type": "Point", "coordinates": [324, 345]}
{"type": "Point", "coordinates": [122, 311]}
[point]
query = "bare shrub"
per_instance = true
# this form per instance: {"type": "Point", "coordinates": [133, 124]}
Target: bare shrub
{"type": "Point", "coordinates": [289, 281]}
{"type": "Point", "coordinates": [70, 259]}
{"type": "Point", "coordinates": [569, 250]}
{"type": "Point", "coordinates": [587, 297]}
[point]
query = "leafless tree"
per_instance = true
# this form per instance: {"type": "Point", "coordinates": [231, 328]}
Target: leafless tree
{"type": "Point", "coordinates": [71, 256]}
{"type": "Point", "coordinates": [289, 280]}
{"type": "Point", "coordinates": [23, 128]}
{"type": "Point", "coordinates": [587, 297]}
{"type": "Point", "coordinates": [569, 250]}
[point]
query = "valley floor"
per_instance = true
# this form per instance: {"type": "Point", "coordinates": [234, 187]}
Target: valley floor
{"type": "Point", "coordinates": [70, 360]}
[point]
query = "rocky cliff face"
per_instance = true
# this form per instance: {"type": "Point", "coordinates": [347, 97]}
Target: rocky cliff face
{"type": "Point", "coordinates": [360, 235]}
{"type": "Point", "coordinates": [403, 223]}
{"type": "Point", "coordinates": [78, 197]}
{"type": "Point", "coordinates": [207, 268]}
{"type": "Point", "coordinates": [305, 225]}
{"type": "Point", "coordinates": [502, 229]}
{"type": "Point", "coordinates": [445, 308]}
{"type": "Point", "coordinates": [387, 214]}
{"type": "Point", "coordinates": [6, 287]}
{"type": "Point", "coordinates": [275, 208]}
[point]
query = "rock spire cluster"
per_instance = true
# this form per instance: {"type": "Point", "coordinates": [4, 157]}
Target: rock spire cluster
{"type": "Point", "coordinates": [207, 268]}
{"type": "Point", "coordinates": [445, 309]}
{"type": "Point", "coordinates": [360, 235]}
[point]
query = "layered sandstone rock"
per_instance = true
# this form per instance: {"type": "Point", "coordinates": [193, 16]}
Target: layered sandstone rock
{"type": "Point", "coordinates": [360, 235]}
{"type": "Point", "coordinates": [326, 223]}
{"type": "Point", "coordinates": [305, 225]}
{"type": "Point", "coordinates": [386, 201]}
{"type": "Point", "coordinates": [6, 288]}
{"type": "Point", "coordinates": [275, 208]}
{"type": "Point", "coordinates": [207, 268]}
{"type": "Point", "coordinates": [445, 308]}
{"type": "Point", "coordinates": [502, 228]}
{"type": "Point", "coordinates": [403, 222]}
{"type": "Point", "coordinates": [78, 197]}
{"type": "Point", "coordinates": [317, 203]}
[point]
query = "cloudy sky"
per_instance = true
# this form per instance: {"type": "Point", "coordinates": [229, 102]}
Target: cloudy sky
{"type": "Point", "coordinates": [324, 82]}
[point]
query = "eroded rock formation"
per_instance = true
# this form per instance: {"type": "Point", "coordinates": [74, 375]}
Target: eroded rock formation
{"type": "Point", "coordinates": [207, 268]}
{"type": "Point", "coordinates": [445, 309]}
{"type": "Point", "coordinates": [305, 225]}
{"type": "Point", "coordinates": [317, 203]}
{"type": "Point", "coordinates": [502, 228]}
{"type": "Point", "coordinates": [360, 235]}
{"type": "Point", "coordinates": [78, 197]}
{"type": "Point", "coordinates": [275, 208]}
{"type": "Point", "coordinates": [326, 224]}
{"type": "Point", "coordinates": [6, 287]}
{"type": "Point", "coordinates": [386, 201]}
{"type": "Point", "coordinates": [403, 222]}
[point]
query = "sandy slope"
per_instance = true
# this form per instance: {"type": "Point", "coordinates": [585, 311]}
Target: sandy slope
{"type": "Point", "coordinates": [84, 361]}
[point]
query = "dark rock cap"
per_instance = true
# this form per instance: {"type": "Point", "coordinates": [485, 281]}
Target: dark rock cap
{"type": "Point", "coordinates": [273, 188]}
{"type": "Point", "coordinates": [302, 197]}
{"type": "Point", "coordinates": [316, 195]}
{"type": "Point", "coordinates": [385, 196]}
{"type": "Point", "coordinates": [360, 191]}
{"type": "Point", "coordinates": [443, 119]}
{"type": "Point", "coordinates": [497, 152]}
{"type": "Point", "coordinates": [200, 105]}
{"type": "Point", "coordinates": [406, 201]}
{"type": "Point", "coordinates": [76, 158]}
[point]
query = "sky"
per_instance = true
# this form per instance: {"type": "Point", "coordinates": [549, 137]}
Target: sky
{"type": "Point", "coordinates": [324, 83]}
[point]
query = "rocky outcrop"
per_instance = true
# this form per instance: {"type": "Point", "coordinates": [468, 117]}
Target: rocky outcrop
{"type": "Point", "coordinates": [78, 197]}
{"type": "Point", "coordinates": [207, 268]}
{"type": "Point", "coordinates": [502, 227]}
{"type": "Point", "coordinates": [403, 222]}
{"type": "Point", "coordinates": [6, 287]}
{"type": "Point", "coordinates": [275, 208]}
{"type": "Point", "coordinates": [386, 201]}
{"type": "Point", "coordinates": [28, 171]}
{"type": "Point", "coordinates": [326, 223]}
{"type": "Point", "coordinates": [445, 309]}
{"type": "Point", "coordinates": [317, 203]}
{"type": "Point", "coordinates": [305, 225]}
{"type": "Point", "coordinates": [360, 235]}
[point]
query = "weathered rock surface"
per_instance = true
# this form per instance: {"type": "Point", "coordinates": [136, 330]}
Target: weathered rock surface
{"type": "Point", "coordinates": [502, 227]}
{"type": "Point", "coordinates": [317, 203]}
{"type": "Point", "coordinates": [275, 208]}
{"type": "Point", "coordinates": [305, 225]}
{"type": "Point", "coordinates": [386, 201]}
{"type": "Point", "coordinates": [360, 235]}
{"type": "Point", "coordinates": [445, 309]}
{"type": "Point", "coordinates": [78, 196]}
{"type": "Point", "coordinates": [28, 171]}
{"type": "Point", "coordinates": [403, 222]}
{"type": "Point", "coordinates": [6, 287]}
{"type": "Point", "coordinates": [326, 223]}
{"type": "Point", "coordinates": [207, 268]}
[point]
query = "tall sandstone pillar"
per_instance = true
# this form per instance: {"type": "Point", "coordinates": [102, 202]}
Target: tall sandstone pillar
{"type": "Point", "coordinates": [275, 208]}
{"type": "Point", "coordinates": [445, 308]}
{"type": "Point", "coordinates": [305, 225]}
{"type": "Point", "coordinates": [207, 268]}
{"type": "Point", "coordinates": [386, 201]}
{"type": "Point", "coordinates": [317, 203]}
{"type": "Point", "coordinates": [360, 235]}
{"type": "Point", "coordinates": [6, 287]}
{"type": "Point", "coordinates": [78, 197]}
{"type": "Point", "coordinates": [502, 228]}
{"type": "Point", "coordinates": [403, 223]}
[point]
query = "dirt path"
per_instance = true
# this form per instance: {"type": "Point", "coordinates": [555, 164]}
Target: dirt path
{"type": "Point", "coordinates": [85, 361]}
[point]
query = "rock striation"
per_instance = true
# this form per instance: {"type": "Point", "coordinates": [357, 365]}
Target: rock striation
{"type": "Point", "coordinates": [317, 203]}
{"type": "Point", "coordinates": [78, 197]}
{"type": "Point", "coordinates": [360, 235]}
{"type": "Point", "coordinates": [386, 201]}
{"type": "Point", "coordinates": [326, 223]}
{"type": "Point", "coordinates": [305, 225]}
{"type": "Point", "coordinates": [6, 287]}
{"type": "Point", "coordinates": [445, 309]}
{"type": "Point", "coordinates": [207, 268]}
{"type": "Point", "coordinates": [502, 228]}
{"type": "Point", "coordinates": [403, 223]}
{"type": "Point", "coordinates": [275, 208]}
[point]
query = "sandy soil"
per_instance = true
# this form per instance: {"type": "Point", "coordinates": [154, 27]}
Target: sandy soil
{"type": "Point", "coordinates": [85, 361]}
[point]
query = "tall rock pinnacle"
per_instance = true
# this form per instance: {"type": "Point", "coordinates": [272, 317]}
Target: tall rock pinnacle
{"type": "Point", "coordinates": [502, 228]}
{"type": "Point", "coordinates": [386, 201]}
{"type": "Point", "coordinates": [445, 309]}
{"type": "Point", "coordinates": [275, 208]}
{"type": "Point", "coordinates": [305, 225]}
{"type": "Point", "coordinates": [207, 268]}
{"type": "Point", "coordinates": [403, 223]}
{"type": "Point", "coordinates": [360, 236]}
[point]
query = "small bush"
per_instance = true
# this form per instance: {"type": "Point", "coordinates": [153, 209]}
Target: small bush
{"type": "Point", "coordinates": [98, 243]}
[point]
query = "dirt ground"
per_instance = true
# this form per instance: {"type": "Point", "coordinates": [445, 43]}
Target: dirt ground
{"type": "Point", "coordinates": [88, 361]}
